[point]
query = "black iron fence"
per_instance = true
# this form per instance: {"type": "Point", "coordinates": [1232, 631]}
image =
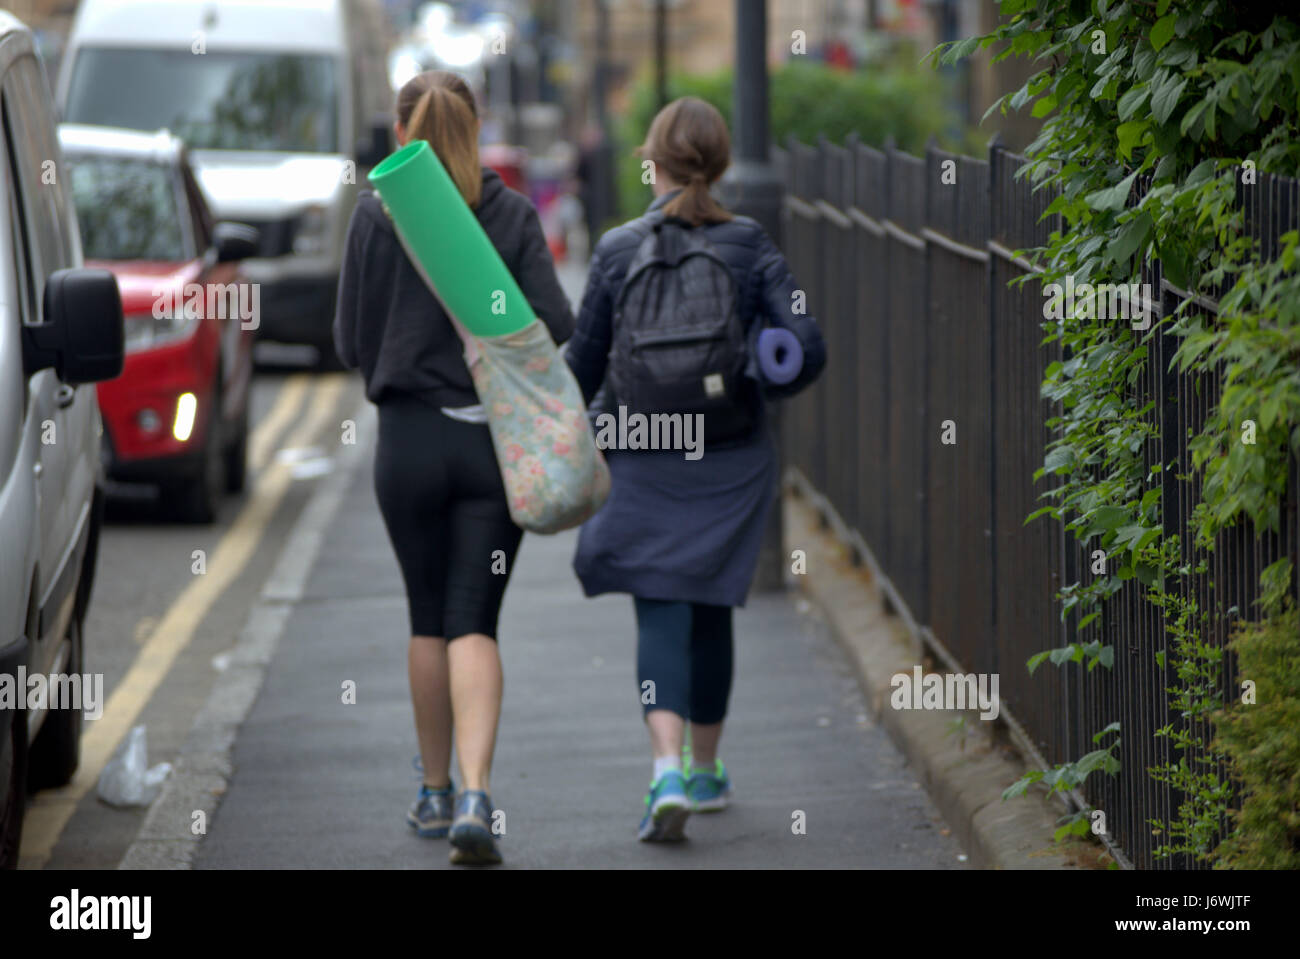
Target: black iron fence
{"type": "Point", "coordinates": [923, 436]}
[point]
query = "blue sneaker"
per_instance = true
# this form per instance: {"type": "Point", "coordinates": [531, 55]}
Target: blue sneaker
{"type": "Point", "coordinates": [666, 810]}
{"type": "Point", "coordinates": [430, 814]}
{"type": "Point", "coordinates": [472, 841]}
{"type": "Point", "coordinates": [709, 791]}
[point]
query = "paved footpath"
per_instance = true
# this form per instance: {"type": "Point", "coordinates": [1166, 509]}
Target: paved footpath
{"type": "Point", "coordinates": [321, 783]}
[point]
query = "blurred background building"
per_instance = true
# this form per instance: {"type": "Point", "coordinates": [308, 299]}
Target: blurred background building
{"type": "Point", "coordinates": [569, 86]}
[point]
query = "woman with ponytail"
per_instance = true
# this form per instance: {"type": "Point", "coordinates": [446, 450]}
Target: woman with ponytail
{"type": "Point", "coordinates": [682, 533]}
{"type": "Point", "coordinates": [436, 475]}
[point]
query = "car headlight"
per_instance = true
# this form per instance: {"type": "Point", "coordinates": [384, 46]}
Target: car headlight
{"type": "Point", "coordinates": [144, 331]}
{"type": "Point", "coordinates": [312, 235]}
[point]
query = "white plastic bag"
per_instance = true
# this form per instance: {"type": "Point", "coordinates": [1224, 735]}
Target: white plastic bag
{"type": "Point", "coordinates": [126, 779]}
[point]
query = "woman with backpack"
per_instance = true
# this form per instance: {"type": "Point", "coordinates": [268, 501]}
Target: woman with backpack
{"type": "Point", "coordinates": [670, 320]}
{"type": "Point", "coordinates": [436, 475]}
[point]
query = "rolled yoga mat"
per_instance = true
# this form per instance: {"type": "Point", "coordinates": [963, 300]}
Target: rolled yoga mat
{"type": "Point", "coordinates": [780, 357]}
{"type": "Point", "coordinates": [440, 230]}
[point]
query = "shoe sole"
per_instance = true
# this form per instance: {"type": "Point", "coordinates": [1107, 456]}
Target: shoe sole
{"type": "Point", "coordinates": [472, 844]}
{"type": "Point", "coordinates": [667, 822]}
{"type": "Point", "coordinates": [429, 832]}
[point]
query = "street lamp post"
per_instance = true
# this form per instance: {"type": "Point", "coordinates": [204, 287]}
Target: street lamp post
{"type": "Point", "coordinates": [661, 53]}
{"type": "Point", "coordinates": [603, 158]}
{"type": "Point", "coordinates": [752, 187]}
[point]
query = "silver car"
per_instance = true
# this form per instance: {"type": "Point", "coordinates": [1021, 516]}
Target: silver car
{"type": "Point", "coordinates": [60, 328]}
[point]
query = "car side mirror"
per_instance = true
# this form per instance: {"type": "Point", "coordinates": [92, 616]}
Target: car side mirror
{"type": "Point", "coordinates": [81, 336]}
{"type": "Point", "coordinates": [379, 144]}
{"type": "Point", "coordinates": [235, 241]}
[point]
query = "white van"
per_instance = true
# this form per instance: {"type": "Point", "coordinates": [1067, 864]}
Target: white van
{"type": "Point", "coordinates": [284, 105]}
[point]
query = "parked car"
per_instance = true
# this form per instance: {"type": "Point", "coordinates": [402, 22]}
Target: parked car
{"type": "Point", "coordinates": [178, 414]}
{"type": "Point", "coordinates": [284, 110]}
{"type": "Point", "coordinates": [60, 328]}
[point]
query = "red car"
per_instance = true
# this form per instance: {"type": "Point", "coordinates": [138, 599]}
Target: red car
{"type": "Point", "coordinates": [178, 414]}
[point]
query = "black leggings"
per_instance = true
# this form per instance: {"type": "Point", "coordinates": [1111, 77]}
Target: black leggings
{"type": "Point", "coordinates": [685, 650]}
{"type": "Point", "coordinates": [444, 505]}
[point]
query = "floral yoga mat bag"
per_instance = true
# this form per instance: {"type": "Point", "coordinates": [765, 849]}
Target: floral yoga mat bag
{"type": "Point", "coordinates": [554, 474]}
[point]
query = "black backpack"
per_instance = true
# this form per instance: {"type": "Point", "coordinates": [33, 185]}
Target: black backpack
{"type": "Point", "coordinates": [678, 343]}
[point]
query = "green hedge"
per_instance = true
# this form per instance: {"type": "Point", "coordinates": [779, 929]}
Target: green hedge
{"type": "Point", "coordinates": [807, 100]}
{"type": "Point", "coordinates": [1262, 738]}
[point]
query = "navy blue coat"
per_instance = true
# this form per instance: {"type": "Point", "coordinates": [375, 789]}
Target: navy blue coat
{"type": "Point", "coordinates": [673, 528]}
{"type": "Point", "coordinates": [764, 283]}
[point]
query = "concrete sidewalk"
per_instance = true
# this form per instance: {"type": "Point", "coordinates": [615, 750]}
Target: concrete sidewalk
{"type": "Point", "coordinates": [318, 783]}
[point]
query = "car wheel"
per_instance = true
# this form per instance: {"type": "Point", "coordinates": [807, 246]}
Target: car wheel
{"type": "Point", "coordinates": [57, 747]}
{"type": "Point", "coordinates": [236, 463]}
{"type": "Point", "coordinates": [13, 789]}
{"type": "Point", "coordinates": [197, 498]}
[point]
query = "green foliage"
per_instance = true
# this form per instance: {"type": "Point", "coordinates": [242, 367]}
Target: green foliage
{"type": "Point", "coordinates": [807, 100]}
{"type": "Point", "coordinates": [1067, 776]}
{"type": "Point", "coordinates": [1157, 113]}
{"type": "Point", "coordinates": [1262, 739]}
{"type": "Point", "coordinates": [1196, 826]}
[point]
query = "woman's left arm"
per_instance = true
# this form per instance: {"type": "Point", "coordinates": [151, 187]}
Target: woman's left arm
{"type": "Point", "coordinates": [777, 291]}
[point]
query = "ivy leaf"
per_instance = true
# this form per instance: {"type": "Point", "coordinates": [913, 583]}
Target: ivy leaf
{"type": "Point", "coordinates": [1043, 105]}
{"type": "Point", "coordinates": [1174, 262]}
{"type": "Point", "coordinates": [1203, 172]}
{"type": "Point", "coordinates": [1131, 102]}
{"type": "Point", "coordinates": [957, 51]}
{"type": "Point", "coordinates": [1132, 237]}
{"type": "Point", "coordinates": [1163, 31]}
{"type": "Point", "coordinates": [1037, 513]}
{"type": "Point", "coordinates": [1107, 517]}
{"type": "Point", "coordinates": [1190, 119]}
{"type": "Point", "coordinates": [1129, 135]}
{"type": "Point", "coordinates": [1166, 97]}
{"type": "Point", "coordinates": [1112, 197]}
{"type": "Point", "coordinates": [1112, 728]}
{"type": "Point", "coordinates": [1058, 458]}
{"type": "Point", "coordinates": [1128, 537]}
{"type": "Point", "coordinates": [1144, 63]}
{"type": "Point", "coordinates": [1268, 412]}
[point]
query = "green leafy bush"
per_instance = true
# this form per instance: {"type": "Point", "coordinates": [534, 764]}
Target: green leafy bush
{"type": "Point", "coordinates": [1262, 739]}
{"type": "Point", "coordinates": [806, 100]}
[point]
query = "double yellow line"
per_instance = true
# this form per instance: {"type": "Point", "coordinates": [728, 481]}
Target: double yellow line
{"type": "Point", "coordinates": [48, 812]}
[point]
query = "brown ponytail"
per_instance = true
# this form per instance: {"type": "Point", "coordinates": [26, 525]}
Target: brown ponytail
{"type": "Point", "coordinates": [438, 106]}
{"type": "Point", "coordinates": [688, 140]}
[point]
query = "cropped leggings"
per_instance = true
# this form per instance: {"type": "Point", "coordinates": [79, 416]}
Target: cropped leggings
{"type": "Point", "coordinates": [444, 505]}
{"type": "Point", "coordinates": [684, 658]}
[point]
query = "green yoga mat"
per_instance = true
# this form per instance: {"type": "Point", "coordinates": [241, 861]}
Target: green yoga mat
{"type": "Point", "coordinates": [441, 231]}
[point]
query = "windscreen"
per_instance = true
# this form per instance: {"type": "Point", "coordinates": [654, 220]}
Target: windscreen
{"type": "Point", "coordinates": [127, 209]}
{"type": "Point", "coordinates": [217, 101]}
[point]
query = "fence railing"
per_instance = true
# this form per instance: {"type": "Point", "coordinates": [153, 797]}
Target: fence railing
{"type": "Point", "coordinates": [906, 262]}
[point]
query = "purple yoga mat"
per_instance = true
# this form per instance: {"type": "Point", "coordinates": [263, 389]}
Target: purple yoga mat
{"type": "Point", "coordinates": [780, 357]}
